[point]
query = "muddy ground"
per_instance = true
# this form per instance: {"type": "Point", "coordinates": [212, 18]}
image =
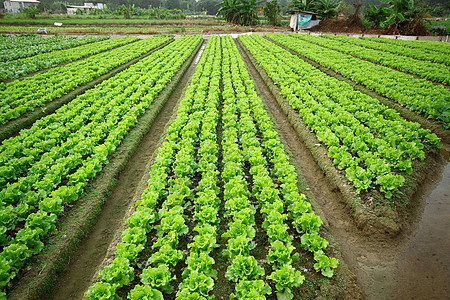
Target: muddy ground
{"type": "Point", "coordinates": [413, 265]}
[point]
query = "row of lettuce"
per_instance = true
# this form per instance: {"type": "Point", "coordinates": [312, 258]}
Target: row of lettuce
{"type": "Point", "coordinates": [371, 143]}
{"type": "Point", "coordinates": [185, 191]}
{"type": "Point", "coordinates": [13, 47]}
{"type": "Point", "coordinates": [21, 96]}
{"type": "Point", "coordinates": [424, 45]}
{"type": "Point", "coordinates": [415, 93]}
{"type": "Point", "coordinates": [48, 166]}
{"type": "Point", "coordinates": [432, 53]}
{"type": "Point", "coordinates": [20, 67]}
{"type": "Point", "coordinates": [429, 70]}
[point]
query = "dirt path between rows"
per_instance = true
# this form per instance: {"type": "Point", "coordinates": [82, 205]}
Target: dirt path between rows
{"type": "Point", "coordinates": [77, 275]}
{"type": "Point", "coordinates": [384, 266]}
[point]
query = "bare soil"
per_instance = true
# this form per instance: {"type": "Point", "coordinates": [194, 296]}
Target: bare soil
{"type": "Point", "coordinates": [344, 26]}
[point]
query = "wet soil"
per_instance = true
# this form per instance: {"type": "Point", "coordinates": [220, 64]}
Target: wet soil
{"type": "Point", "coordinates": [77, 275]}
{"type": "Point", "coordinates": [422, 271]}
{"type": "Point", "coordinates": [412, 265]}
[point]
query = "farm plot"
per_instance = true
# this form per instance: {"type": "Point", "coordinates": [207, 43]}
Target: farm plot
{"type": "Point", "coordinates": [373, 146]}
{"type": "Point", "coordinates": [425, 69]}
{"type": "Point", "coordinates": [414, 93]}
{"type": "Point", "coordinates": [222, 168]}
{"type": "Point", "coordinates": [420, 45]}
{"type": "Point", "coordinates": [24, 45]}
{"type": "Point", "coordinates": [24, 66]}
{"type": "Point", "coordinates": [47, 167]}
{"type": "Point", "coordinates": [422, 54]}
{"type": "Point", "coordinates": [21, 96]}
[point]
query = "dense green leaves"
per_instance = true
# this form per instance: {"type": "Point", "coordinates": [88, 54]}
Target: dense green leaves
{"type": "Point", "coordinates": [21, 96]}
{"type": "Point", "coordinates": [364, 138]}
{"type": "Point", "coordinates": [65, 150]}
{"type": "Point", "coordinates": [21, 67]}
{"type": "Point", "coordinates": [13, 47]}
{"type": "Point", "coordinates": [183, 193]}
{"type": "Point", "coordinates": [416, 94]}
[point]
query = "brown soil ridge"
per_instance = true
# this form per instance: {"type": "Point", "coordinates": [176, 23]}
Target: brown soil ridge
{"type": "Point", "coordinates": [74, 229]}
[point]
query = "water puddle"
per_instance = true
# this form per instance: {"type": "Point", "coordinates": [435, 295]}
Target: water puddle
{"type": "Point", "coordinates": [423, 270]}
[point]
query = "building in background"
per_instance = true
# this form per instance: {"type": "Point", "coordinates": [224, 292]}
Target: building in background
{"type": "Point", "coordinates": [301, 20]}
{"type": "Point", "coordinates": [17, 6]}
{"type": "Point", "coordinates": [71, 9]}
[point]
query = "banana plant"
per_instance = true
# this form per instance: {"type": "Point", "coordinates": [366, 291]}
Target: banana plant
{"type": "Point", "coordinates": [240, 12]}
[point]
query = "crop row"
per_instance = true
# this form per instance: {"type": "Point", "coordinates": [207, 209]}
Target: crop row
{"type": "Point", "coordinates": [170, 188]}
{"type": "Point", "coordinates": [425, 69]}
{"type": "Point", "coordinates": [47, 167]}
{"type": "Point", "coordinates": [21, 96]}
{"type": "Point", "coordinates": [21, 67]}
{"type": "Point", "coordinates": [247, 116]}
{"type": "Point", "coordinates": [414, 93]}
{"type": "Point", "coordinates": [422, 54]}
{"type": "Point", "coordinates": [184, 192]}
{"type": "Point", "coordinates": [370, 142]}
{"type": "Point", "coordinates": [25, 45]}
{"type": "Point", "coordinates": [420, 45]}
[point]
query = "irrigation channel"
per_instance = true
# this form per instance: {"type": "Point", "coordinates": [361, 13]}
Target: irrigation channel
{"type": "Point", "coordinates": [412, 265]}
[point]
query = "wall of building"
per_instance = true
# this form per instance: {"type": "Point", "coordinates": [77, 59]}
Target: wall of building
{"type": "Point", "coordinates": [16, 7]}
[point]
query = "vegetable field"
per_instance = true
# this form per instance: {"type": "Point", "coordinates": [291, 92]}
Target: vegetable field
{"type": "Point", "coordinates": [224, 208]}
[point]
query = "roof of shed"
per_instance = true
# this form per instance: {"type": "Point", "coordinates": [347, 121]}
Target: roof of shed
{"type": "Point", "coordinates": [28, 1]}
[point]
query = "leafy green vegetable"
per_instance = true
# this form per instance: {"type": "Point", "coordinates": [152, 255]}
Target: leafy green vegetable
{"type": "Point", "coordinates": [102, 291]}
{"type": "Point", "coordinates": [286, 278]}
{"type": "Point", "coordinates": [158, 278]}
{"type": "Point", "coordinates": [144, 292]}
{"type": "Point", "coordinates": [324, 263]}
{"type": "Point", "coordinates": [119, 272]}
{"type": "Point", "coordinates": [251, 289]}
{"type": "Point", "coordinates": [244, 268]}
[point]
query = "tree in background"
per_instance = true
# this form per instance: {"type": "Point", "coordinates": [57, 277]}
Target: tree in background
{"type": "Point", "coordinates": [240, 12]}
{"type": "Point", "coordinates": [376, 15]}
{"type": "Point", "coordinates": [173, 4]}
{"type": "Point", "coordinates": [125, 11]}
{"type": "Point", "coordinates": [58, 8]}
{"type": "Point", "coordinates": [326, 9]}
{"type": "Point", "coordinates": [272, 12]}
{"type": "Point", "coordinates": [31, 11]}
{"type": "Point", "coordinates": [210, 6]}
{"type": "Point", "coordinates": [400, 17]}
{"type": "Point", "coordinates": [304, 5]}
